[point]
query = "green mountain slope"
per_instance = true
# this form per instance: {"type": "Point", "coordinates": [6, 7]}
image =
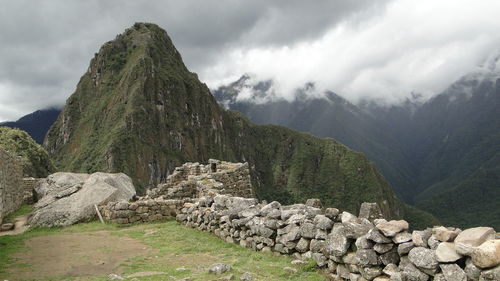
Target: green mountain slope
{"type": "Point", "coordinates": [35, 160]}
{"type": "Point", "coordinates": [440, 155]}
{"type": "Point", "coordinates": [140, 111]}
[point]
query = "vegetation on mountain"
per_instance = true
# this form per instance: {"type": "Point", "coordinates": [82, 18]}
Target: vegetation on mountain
{"type": "Point", "coordinates": [440, 156]}
{"type": "Point", "coordinates": [35, 160]}
{"type": "Point", "coordinates": [140, 111]}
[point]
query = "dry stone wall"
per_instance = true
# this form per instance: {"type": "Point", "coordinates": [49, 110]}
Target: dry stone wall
{"type": "Point", "coordinates": [11, 192]}
{"type": "Point", "coordinates": [194, 180]}
{"type": "Point", "coordinates": [349, 247]}
{"type": "Point", "coordinates": [145, 210]}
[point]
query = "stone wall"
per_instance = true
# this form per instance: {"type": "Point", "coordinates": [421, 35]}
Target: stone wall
{"type": "Point", "coordinates": [349, 247]}
{"type": "Point", "coordinates": [145, 210]}
{"type": "Point", "coordinates": [193, 180]}
{"type": "Point", "coordinates": [11, 184]}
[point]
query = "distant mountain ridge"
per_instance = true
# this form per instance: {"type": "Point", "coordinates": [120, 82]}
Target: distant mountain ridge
{"type": "Point", "coordinates": [442, 155]}
{"type": "Point", "coordinates": [36, 124]}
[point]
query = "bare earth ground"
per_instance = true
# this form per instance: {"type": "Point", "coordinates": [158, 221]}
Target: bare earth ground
{"type": "Point", "coordinates": [21, 225]}
{"type": "Point", "coordinates": [73, 255]}
{"type": "Point", "coordinates": [153, 252]}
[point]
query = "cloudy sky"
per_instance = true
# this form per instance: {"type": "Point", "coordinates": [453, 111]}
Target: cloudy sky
{"type": "Point", "coordinates": [382, 49]}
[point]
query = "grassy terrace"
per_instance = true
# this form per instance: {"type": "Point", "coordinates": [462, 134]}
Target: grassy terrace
{"type": "Point", "coordinates": [91, 251]}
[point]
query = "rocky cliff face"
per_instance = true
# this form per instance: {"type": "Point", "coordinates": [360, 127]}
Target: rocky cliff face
{"type": "Point", "coordinates": [139, 110]}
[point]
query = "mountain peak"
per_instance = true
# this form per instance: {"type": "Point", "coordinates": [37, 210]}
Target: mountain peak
{"type": "Point", "coordinates": [144, 44]}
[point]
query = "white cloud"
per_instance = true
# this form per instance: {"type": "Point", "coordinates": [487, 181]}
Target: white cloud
{"type": "Point", "coordinates": [412, 46]}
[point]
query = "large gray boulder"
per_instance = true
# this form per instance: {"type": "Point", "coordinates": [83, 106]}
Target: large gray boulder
{"type": "Point", "coordinates": [69, 198]}
{"type": "Point", "coordinates": [469, 239]}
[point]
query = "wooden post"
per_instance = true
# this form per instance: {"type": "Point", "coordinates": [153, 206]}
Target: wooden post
{"type": "Point", "coordinates": [99, 214]}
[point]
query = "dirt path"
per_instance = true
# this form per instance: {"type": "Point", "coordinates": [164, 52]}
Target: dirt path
{"type": "Point", "coordinates": [75, 255]}
{"type": "Point", "coordinates": [21, 225]}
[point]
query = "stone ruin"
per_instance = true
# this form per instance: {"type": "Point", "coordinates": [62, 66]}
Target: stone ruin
{"type": "Point", "coordinates": [185, 185]}
{"type": "Point", "coordinates": [14, 189]}
{"type": "Point", "coordinates": [349, 247]}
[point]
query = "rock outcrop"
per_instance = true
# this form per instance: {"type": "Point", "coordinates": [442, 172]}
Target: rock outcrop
{"type": "Point", "coordinates": [69, 198]}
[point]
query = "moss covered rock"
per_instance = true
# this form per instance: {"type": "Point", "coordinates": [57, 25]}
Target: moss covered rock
{"type": "Point", "coordinates": [35, 160]}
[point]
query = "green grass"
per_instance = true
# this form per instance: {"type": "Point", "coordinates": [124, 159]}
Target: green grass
{"type": "Point", "coordinates": [23, 210]}
{"type": "Point", "coordinates": [175, 246]}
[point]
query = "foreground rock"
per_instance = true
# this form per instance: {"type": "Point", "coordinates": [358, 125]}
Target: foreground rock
{"type": "Point", "coordinates": [219, 268]}
{"type": "Point", "coordinates": [69, 198]}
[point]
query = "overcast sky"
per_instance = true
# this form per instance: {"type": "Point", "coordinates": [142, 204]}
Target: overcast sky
{"type": "Point", "coordinates": [358, 48]}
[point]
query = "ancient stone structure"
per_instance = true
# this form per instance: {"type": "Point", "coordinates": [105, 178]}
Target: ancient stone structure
{"type": "Point", "coordinates": [184, 185]}
{"type": "Point", "coordinates": [350, 247]}
{"type": "Point", "coordinates": [194, 180]}
{"type": "Point", "coordinates": [144, 210]}
{"type": "Point", "coordinates": [12, 189]}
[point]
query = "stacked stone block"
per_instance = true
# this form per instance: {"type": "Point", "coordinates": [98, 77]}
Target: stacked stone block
{"type": "Point", "coordinates": [11, 185]}
{"type": "Point", "coordinates": [147, 210]}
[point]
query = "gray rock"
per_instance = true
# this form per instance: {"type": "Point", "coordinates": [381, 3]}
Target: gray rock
{"type": "Point", "coordinates": [411, 273]}
{"type": "Point", "coordinates": [270, 207]}
{"type": "Point", "coordinates": [303, 245]}
{"type": "Point", "coordinates": [115, 277]}
{"type": "Point", "coordinates": [453, 272]}
{"type": "Point", "coordinates": [308, 230]}
{"type": "Point", "coordinates": [467, 240]}
{"type": "Point", "coordinates": [356, 229]}
{"type": "Point", "coordinates": [317, 246]}
{"type": "Point", "coordinates": [337, 242]}
{"type": "Point", "coordinates": [471, 270]}
{"type": "Point", "coordinates": [332, 213]}
{"type": "Point", "coordinates": [240, 203]}
{"type": "Point", "coordinates": [246, 277]}
{"type": "Point", "coordinates": [98, 188]}
{"type": "Point", "coordinates": [343, 271]}
{"type": "Point", "coordinates": [321, 234]}
{"type": "Point", "coordinates": [370, 272]}
{"type": "Point", "coordinates": [290, 269]}
{"type": "Point", "coordinates": [420, 238]}
{"type": "Point", "coordinates": [383, 248]}
{"type": "Point", "coordinates": [444, 234]}
{"type": "Point", "coordinates": [432, 242]}
{"type": "Point", "coordinates": [487, 254]}
{"type": "Point", "coordinates": [402, 237]}
{"type": "Point", "coordinates": [491, 274]}
{"type": "Point", "coordinates": [322, 222]}
{"type": "Point", "coordinates": [347, 217]}
{"type": "Point", "coordinates": [219, 268]}
{"type": "Point", "coordinates": [390, 269]}
{"type": "Point", "coordinates": [366, 257]}
{"type": "Point", "coordinates": [405, 248]}
{"type": "Point", "coordinates": [319, 258]}
{"type": "Point", "coordinates": [363, 243]}
{"type": "Point", "coordinates": [446, 252]}
{"type": "Point", "coordinates": [57, 182]}
{"type": "Point", "coordinates": [439, 277]}
{"type": "Point", "coordinates": [314, 202]}
{"type": "Point", "coordinates": [7, 226]}
{"type": "Point", "coordinates": [370, 211]}
{"type": "Point", "coordinates": [377, 237]}
{"type": "Point", "coordinates": [423, 258]}
{"type": "Point", "coordinates": [389, 257]}
{"type": "Point", "coordinates": [391, 228]}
